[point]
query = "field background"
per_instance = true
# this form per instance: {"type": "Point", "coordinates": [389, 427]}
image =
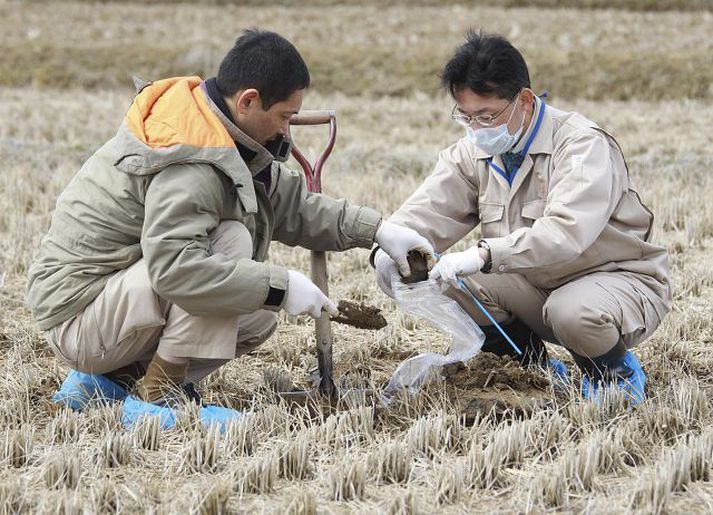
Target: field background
{"type": "Point", "coordinates": [640, 68]}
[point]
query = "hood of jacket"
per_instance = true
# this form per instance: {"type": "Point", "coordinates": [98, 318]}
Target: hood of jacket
{"type": "Point", "coordinates": [171, 122]}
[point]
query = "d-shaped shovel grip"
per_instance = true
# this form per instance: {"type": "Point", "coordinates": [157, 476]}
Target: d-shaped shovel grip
{"type": "Point", "coordinates": [319, 117]}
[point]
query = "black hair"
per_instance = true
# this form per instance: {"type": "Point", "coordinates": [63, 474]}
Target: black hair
{"type": "Point", "coordinates": [265, 61]}
{"type": "Point", "coordinates": [487, 64]}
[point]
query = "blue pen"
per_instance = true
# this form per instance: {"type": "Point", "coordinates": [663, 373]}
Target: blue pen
{"type": "Point", "coordinates": [490, 317]}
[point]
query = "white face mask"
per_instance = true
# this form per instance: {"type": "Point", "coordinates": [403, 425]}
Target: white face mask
{"type": "Point", "coordinates": [496, 140]}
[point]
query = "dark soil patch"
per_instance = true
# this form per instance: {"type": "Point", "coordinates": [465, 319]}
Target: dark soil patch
{"type": "Point", "coordinates": [359, 315]}
{"type": "Point", "coordinates": [418, 263]}
{"type": "Point", "coordinates": [489, 383]}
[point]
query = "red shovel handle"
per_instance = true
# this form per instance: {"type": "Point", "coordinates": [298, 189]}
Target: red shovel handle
{"type": "Point", "coordinates": [314, 174]}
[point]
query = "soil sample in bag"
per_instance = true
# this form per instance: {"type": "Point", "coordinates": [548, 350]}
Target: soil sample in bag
{"type": "Point", "coordinates": [418, 263]}
{"type": "Point", "coordinates": [359, 315]}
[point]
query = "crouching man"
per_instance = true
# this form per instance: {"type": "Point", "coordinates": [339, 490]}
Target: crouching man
{"type": "Point", "coordinates": [565, 254]}
{"type": "Point", "coordinates": [153, 273]}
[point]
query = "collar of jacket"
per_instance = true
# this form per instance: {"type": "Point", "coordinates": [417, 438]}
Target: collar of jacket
{"type": "Point", "coordinates": [171, 122]}
{"type": "Point", "coordinates": [255, 155]}
{"type": "Point", "coordinates": [543, 142]}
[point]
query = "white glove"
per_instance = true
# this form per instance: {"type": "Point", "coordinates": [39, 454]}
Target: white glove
{"type": "Point", "coordinates": [450, 266]}
{"type": "Point", "coordinates": [385, 269]}
{"type": "Point", "coordinates": [397, 241]}
{"type": "Point", "coordinates": [304, 297]}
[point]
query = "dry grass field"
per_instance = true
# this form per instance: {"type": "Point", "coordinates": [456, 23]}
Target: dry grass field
{"type": "Point", "coordinates": [644, 74]}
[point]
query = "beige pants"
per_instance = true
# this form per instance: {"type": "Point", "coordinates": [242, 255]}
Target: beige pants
{"type": "Point", "coordinates": [129, 322]}
{"type": "Point", "coordinates": [588, 315]}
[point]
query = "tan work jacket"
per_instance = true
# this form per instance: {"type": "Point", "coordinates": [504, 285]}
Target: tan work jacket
{"type": "Point", "coordinates": [571, 209]}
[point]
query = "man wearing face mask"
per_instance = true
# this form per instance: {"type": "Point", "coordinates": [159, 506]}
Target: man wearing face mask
{"type": "Point", "coordinates": [154, 272]}
{"type": "Point", "coordinates": [566, 253]}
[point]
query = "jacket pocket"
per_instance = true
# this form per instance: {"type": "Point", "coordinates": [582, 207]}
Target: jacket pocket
{"type": "Point", "coordinates": [533, 210]}
{"type": "Point", "coordinates": [491, 219]}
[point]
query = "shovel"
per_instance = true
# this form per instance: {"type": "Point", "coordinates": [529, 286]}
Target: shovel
{"type": "Point", "coordinates": [349, 312]}
{"type": "Point", "coordinates": [313, 174]}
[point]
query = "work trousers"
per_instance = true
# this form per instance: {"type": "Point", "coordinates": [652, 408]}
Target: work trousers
{"type": "Point", "coordinates": [587, 316]}
{"type": "Point", "coordinates": [128, 322]}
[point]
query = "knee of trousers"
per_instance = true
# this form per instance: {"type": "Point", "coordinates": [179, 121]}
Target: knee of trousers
{"type": "Point", "coordinates": [578, 326]}
{"type": "Point", "coordinates": [231, 238]}
{"type": "Point", "coordinates": [259, 332]}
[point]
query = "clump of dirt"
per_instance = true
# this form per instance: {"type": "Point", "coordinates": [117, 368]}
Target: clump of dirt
{"type": "Point", "coordinates": [359, 315]}
{"type": "Point", "coordinates": [418, 263]}
{"type": "Point", "coordinates": [490, 383]}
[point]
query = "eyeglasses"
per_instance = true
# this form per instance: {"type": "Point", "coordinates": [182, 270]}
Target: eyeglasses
{"type": "Point", "coordinates": [484, 120]}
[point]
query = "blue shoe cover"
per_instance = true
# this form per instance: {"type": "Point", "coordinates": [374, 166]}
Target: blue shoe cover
{"type": "Point", "coordinates": [632, 385]}
{"type": "Point", "coordinates": [217, 415]}
{"type": "Point", "coordinates": [559, 371]}
{"type": "Point", "coordinates": [135, 410]}
{"type": "Point", "coordinates": [79, 389]}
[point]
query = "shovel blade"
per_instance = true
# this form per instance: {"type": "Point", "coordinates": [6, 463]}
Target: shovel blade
{"type": "Point", "coordinates": [327, 388]}
{"type": "Point", "coordinates": [346, 399]}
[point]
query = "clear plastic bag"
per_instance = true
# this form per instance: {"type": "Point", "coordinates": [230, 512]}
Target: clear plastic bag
{"type": "Point", "coordinates": [426, 301]}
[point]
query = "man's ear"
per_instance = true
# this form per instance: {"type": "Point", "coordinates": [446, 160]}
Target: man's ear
{"type": "Point", "coordinates": [247, 100]}
{"type": "Point", "coordinates": [527, 97]}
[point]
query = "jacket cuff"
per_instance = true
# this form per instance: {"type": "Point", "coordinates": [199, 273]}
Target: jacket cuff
{"type": "Point", "coordinates": [277, 288]}
{"type": "Point", "coordinates": [499, 255]}
{"type": "Point", "coordinates": [365, 225]}
{"type": "Point", "coordinates": [373, 255]}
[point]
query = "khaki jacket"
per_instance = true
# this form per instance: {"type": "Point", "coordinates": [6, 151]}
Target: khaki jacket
{"type": "Point", "coordinates": [157, 189]}
{"type": "Point", "coordinates": [570, 211]}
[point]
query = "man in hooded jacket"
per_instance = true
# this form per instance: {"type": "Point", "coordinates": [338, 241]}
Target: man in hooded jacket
{"type": "Point", "coordinates": [154, 272]}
